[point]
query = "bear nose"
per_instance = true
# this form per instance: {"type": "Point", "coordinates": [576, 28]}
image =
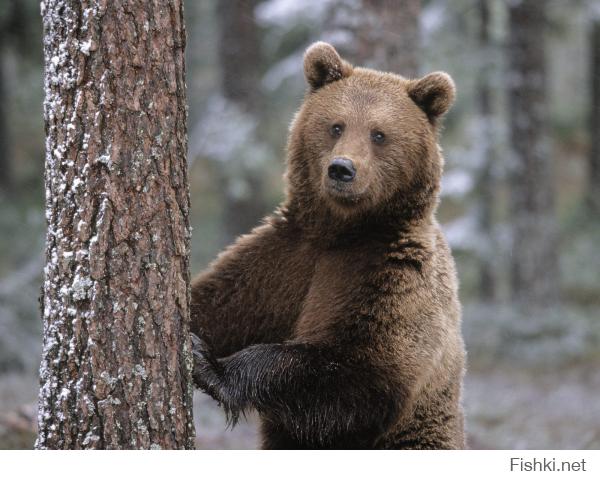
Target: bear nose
{"type": "Point", "coordinates": [341, 169]}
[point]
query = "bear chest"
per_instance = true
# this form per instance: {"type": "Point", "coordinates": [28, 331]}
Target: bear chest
{"type": "Point", "coordinates": [334, 292]}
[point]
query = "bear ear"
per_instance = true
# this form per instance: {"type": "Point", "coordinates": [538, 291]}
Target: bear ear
{"type": "Point", "coordinates": [434, 93]}
{"type": "Point", "coordinates": [323, 65]}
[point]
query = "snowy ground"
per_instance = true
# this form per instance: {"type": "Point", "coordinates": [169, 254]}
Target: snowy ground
{"type": "Point", "coordinates": [212, 431]}
{"type": "Point", "coordinates": [507, 407]}
{"type": "Point", "coordinates": [516, 408]}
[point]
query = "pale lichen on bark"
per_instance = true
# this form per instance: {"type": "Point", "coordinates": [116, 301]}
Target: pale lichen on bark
{"type": "Point", "coordinates": [116, 364]}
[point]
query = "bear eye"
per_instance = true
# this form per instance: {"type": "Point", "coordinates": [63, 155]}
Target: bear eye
{"type": "Point", "coordinates": [378, 137]}
{"type": "Point", "coordinates": [337, 130]}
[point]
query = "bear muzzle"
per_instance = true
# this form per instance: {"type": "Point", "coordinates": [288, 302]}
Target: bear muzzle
{"type": "Point", "coordinates": [341, 170]}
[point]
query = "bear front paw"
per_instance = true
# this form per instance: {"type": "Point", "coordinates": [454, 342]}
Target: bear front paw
{"type": "Point", "coordinates": [209, 376]}
{"type": "Point", "coordinates": [207, 372]}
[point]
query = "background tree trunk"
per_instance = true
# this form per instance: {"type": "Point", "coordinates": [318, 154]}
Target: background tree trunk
{"type": "Point", "coordinates": [594, 162]}
{"type": "Point", "coordinates": [239, 55]}
{"type": "Point", "coordinates": [485, 178]}
{"type": "Point", "coordinates": [385, 33]}
{"type": "Point", "coordinates": [534, 268]}
{"type": "Point", "coordinates": [6, 179]}
{"type": "Point", "coordinates": [116, 367]}
{"type": "Point", "coordinates": [12, 28]}
{"type": "Point", "coordinates": [17, 35]}
{"type": "Point", "coordinates": [239, 52]}
{"type": "Point", "coordinates": [389, 36]}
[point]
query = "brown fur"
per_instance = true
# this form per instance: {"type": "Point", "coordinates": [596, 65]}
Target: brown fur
{"type": "Point", "coordinates": [338, 319]}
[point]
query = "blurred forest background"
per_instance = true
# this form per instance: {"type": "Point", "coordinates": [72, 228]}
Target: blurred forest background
{"type": "Point", "coordinates": [521, 194]}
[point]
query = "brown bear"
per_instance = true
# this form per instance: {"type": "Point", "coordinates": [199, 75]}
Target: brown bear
{"type": "Point", "coordinates": [338, 319]}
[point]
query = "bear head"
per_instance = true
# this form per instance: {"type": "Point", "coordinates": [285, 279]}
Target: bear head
{"type": "Point", "coordinates": [364, 143]}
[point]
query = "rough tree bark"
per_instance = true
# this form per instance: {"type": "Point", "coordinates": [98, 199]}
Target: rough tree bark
{"type": "Point", "coordinates": [239, 54]}
{"type": "Point", "coordinates": [594, 161]}
{"type": "Point", "coordinates": [534, 268]}
{"type": "Point", "coordinates": [386, 33]}
{"type": "Point", "coordinates": [485, 178]}
{"type": "Point", "coordinates": [116, 367]}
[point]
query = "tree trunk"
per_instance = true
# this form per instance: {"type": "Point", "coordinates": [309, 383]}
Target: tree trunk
{"type": "Point", "coordinates": [385, 33]}
{"type": "Point", "coordinates": [9, 18]}
{"type": "Point", "coordinates": [116, 367]}
{"type": "Point", "coordinates": [16, 33]}
{"type": "Point", "coordinates": [239, 54]}
{"type": "Point", "coordinates": [594, 162]}
{"type": "Point", "coordinates": [485, 179]}
{"type": "Point", "coordinates": [6, 177]}
{"type": "Point", "coordinates": [535, 252]}
{"type": "Point", "coordinates": [390, 40]}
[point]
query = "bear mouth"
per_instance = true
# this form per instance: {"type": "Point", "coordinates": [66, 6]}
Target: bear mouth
{"type": "Point", "coordinates": [343, 193]}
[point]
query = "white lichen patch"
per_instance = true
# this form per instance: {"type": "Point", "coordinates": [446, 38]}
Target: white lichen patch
{"type": "Point", "coordinates": [77, 183]}
{"type": "Point", "coordinates": [89, 438]}
{"type": "Point", "coordinates": [110, 381]}
{"type": "Point", "coordinates": [64, 394]}
{"type": "Point", "coordinates": [104, 159]}
{"type": "Point", "coordinates": [85, 47]}
{"type": "Point", "coordinates": [80, 287]}
{"type": "Point", "coordinates": [139, 371]}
